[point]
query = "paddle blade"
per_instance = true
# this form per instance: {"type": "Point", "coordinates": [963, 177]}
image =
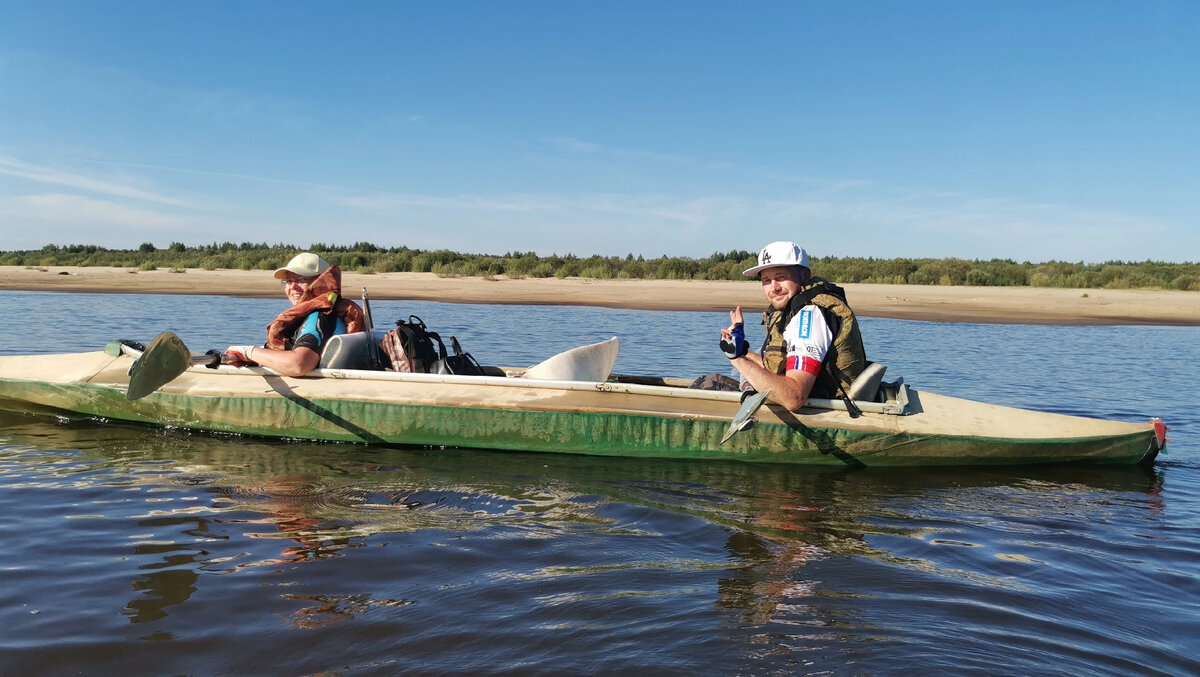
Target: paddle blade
{"type": "Point", "coordinates": [742, 420]}
{"type": "Point", "coordinates": [164, 359]}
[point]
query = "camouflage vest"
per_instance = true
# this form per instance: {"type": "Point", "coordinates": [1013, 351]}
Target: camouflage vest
{"type": "Point", "coordinates": [846, 357]}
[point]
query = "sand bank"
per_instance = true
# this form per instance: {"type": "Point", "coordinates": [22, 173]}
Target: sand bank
{"type": "Point", "coordinates": [929, 303]}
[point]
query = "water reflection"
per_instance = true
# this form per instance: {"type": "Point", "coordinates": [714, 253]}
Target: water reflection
{"type": "Point", "coordinates": [289, 506]}
{"type": "Point", "coordinates": [784, 557]}
{"type": "Point", "coordinates": [325, 610]}
{"type": "Point", "coordinates": [174, 584]}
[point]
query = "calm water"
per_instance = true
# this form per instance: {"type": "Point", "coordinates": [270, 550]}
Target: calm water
{"type": "Point", "coordinates": [139, 551]}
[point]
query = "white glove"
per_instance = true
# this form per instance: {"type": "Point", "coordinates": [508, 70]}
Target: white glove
{"type": "Point", "coordinates": [246, 353]}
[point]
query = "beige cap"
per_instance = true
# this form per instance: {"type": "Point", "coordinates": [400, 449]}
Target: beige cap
{"type": "Point", "coordinates": [778, 254]}
{"type": "Point", "coordinates": [304, 265]}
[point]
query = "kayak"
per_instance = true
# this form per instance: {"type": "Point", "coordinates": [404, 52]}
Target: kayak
{"type": "Point", "coordinates": [570, 404]}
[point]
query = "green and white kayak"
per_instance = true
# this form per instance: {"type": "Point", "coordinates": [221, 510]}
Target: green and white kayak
{"type": "Point", "coordinates": [571, 411]}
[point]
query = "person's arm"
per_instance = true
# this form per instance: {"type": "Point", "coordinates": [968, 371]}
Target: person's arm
{"type": "Point", "coordinates": [296, 362]}
{"type": "Point", "coordinates": [791, 389]}
{"type": "Point", "coordinates": [305, 354]}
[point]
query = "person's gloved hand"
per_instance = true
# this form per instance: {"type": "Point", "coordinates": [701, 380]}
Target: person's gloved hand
{"type": "Point", "coordinates": [736, 345]}
{"type": "Point", "coordinates": [238, 356]}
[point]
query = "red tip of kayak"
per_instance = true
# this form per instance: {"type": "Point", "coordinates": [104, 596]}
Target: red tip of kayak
{"type": "Point", "coordinates": [1160, 432]}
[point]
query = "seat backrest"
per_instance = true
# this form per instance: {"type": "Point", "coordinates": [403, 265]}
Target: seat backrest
{"type": "Point", "coordinates": [348, 351]}
{"type": "Point", "coordinates": [866, 387]}
{"type": "Point", "coordinates": [586, 363]}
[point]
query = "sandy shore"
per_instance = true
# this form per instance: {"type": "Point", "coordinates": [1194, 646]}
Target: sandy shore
{"type": "Point", "coordinates": [938, 304]}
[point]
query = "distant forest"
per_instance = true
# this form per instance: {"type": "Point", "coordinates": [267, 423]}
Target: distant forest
{"type": "Point", "coordinates": [363, 257]}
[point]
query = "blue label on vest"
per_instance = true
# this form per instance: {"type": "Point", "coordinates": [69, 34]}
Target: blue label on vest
{"type": "Point", "coordinates": [805, 323]}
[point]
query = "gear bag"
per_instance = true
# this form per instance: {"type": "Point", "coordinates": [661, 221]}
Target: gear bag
{"type": "Point", "coordinates": [461, 363]}
{"type": "Point", "coordinates": [412, 347]}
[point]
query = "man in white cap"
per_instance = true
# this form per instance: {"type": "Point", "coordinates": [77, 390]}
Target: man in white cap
{"type": "Point", "coordinates": [295, 338]}
{"type": "Point", "coordinates": [813, 346]}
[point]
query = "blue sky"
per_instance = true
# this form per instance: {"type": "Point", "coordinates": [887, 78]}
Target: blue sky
{"type": "Point", "coordinates": [1025, 130]}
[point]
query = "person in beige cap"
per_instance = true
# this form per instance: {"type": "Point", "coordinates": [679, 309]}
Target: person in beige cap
{"type": "Point", "coordinates": [296, 337]}
{"type": "Point", "coordinates": [813, 346]}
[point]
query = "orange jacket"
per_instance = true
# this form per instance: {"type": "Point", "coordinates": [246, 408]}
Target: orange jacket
{"type": "Point", "coordinates": [324, 295]}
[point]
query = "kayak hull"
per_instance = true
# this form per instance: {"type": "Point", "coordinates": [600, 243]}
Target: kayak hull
{"type": "Point", "coordinates": [594, 418]}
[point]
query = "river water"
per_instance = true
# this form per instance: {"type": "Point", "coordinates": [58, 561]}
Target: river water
{"type": "Point", "coordinates": [140, 551]}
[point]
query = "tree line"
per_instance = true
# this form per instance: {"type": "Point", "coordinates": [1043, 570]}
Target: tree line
{"type": "Point", "coordinates": [364, 257]}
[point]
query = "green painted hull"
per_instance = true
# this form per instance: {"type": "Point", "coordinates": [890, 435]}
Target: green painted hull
{"type": "Point", "coordinates": [594, 419]}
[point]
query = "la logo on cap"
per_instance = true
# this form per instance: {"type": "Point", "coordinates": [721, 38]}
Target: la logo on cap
{"type": "Point", "coordinates": [779, 254]}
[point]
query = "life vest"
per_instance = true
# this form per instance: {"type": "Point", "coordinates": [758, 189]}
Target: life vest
{"type": "Point", "coordinates": [324, 295]}
{"type": "Point", "coordinates": [845, 359]}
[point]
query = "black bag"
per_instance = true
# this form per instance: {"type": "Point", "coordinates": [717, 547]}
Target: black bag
{"type": "Point", "coordinates": [460, 363]}
{"type": "Point", "coordinates": [411, 347]}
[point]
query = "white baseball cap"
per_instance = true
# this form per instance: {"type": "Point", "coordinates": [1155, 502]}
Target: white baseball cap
{"type": "Point", "coordinates": [778, 254]}
{"type": "Point", "coordinates": [304, 265]}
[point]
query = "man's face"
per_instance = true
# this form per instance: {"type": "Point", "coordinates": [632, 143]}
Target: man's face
{"type": "Point", "coordinates": [780, 284]}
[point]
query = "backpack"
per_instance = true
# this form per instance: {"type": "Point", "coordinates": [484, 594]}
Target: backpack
{"type": "Point", "coordinates": [411, 347]}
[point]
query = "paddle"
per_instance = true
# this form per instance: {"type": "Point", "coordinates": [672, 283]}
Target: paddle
{"type": "Point", "coordinates": [163, 360]}
{"type": "Point", "coordinates": [742, 420]}
{"type": "Point", "coordinates": [373, 350]}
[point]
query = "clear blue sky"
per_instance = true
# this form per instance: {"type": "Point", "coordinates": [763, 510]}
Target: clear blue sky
{"type": "Point", "coordinates": [1026, 130]}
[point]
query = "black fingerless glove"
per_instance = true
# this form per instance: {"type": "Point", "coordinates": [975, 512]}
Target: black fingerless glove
{"type": "Point", "coordinates": [737, 347]}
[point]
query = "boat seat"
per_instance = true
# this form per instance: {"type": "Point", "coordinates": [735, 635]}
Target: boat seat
{"type": "Point", "coordinates": [348, 351]}
{"type": "Point", "coordinates": [866, 387]}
